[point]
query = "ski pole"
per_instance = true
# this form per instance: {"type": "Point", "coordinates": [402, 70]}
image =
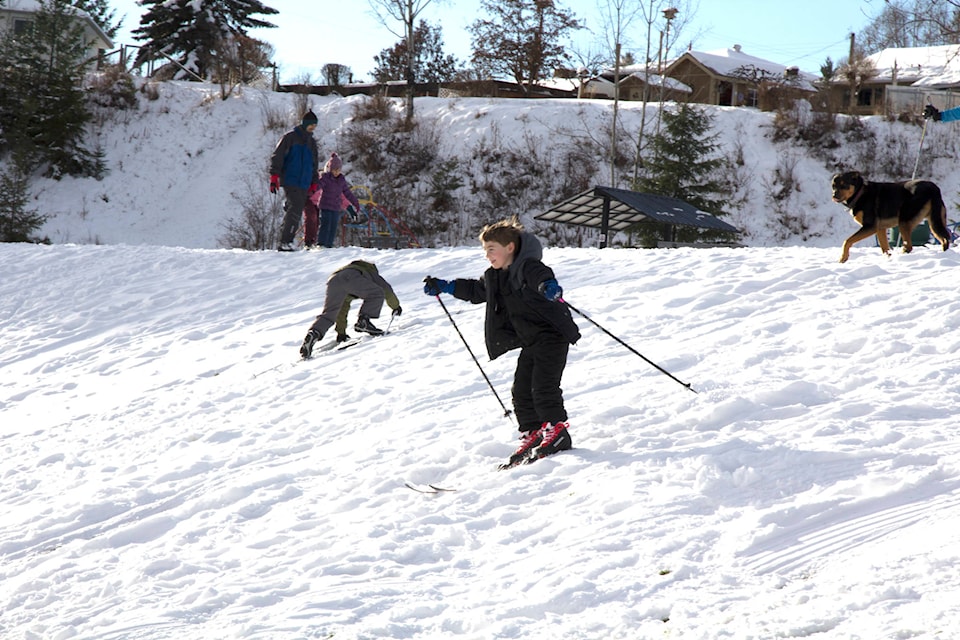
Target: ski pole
{"type": "Point", "coordinates": [919, 149]}
{"type": "Point", "coordinates": [647, 360]}
{"type": "Point", "coordinates": [506, 412]}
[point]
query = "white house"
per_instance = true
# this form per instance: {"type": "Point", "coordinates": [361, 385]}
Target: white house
{"type": "Point", "coordinates": [903, 79]}
{"type": "Point", "coordinates": [18, 15]}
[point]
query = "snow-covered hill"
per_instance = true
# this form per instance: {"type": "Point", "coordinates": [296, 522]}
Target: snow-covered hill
{"type": "Point", "coordinates": [170, 470]}
{"type": "Point", "coordinates": [176, 162]}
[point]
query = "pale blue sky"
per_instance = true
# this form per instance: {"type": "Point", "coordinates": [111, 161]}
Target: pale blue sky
{"type": "Point", "coordinates": [310, 34]}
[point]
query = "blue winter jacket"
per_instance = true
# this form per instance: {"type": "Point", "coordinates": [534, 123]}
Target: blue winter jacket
{"type": "Point", "coordinates": [296, 159]}
{"type": "Point", "coordinates": [950, 115]}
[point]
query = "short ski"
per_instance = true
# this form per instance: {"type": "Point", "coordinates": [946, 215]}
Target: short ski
{"type": "Point", "coordinates": [350, 342]}
{"type": "Point", "coordinates": [333, 345]}
{"type": "Point", "coordinates": [530, 458]}
{"type": "Point", "coordinates": [427, 488]}
{"type": "Point", "coordinates": [524, 459]}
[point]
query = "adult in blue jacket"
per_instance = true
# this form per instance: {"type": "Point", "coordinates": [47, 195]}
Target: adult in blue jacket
{"type": "Point", "coordinates": [949, 115]}
{"type": "Point", "coordinates": [293, 166]}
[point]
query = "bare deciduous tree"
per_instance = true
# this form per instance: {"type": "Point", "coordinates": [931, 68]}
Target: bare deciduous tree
{"type": "Point", "coordinates": [668, 33]}
{"type": "Point", "coordinates": [618, 15]}
{"type": "Point", "coordinates": [336, 75]}
{"type": "Point", "coordinates": [406, 13]}
{"type": "Point", "coordinates": [911, 23]}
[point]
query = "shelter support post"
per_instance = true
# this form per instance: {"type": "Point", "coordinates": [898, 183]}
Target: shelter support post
{"type": "Point", "coordinates": [605, 222]}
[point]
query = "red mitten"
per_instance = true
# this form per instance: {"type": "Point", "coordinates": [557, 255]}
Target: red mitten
{"type": "Point", "coordinates": [274, 183]}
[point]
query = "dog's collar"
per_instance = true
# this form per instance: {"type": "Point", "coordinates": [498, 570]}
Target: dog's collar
{"type": "Point", "coordinates": [852, 201]}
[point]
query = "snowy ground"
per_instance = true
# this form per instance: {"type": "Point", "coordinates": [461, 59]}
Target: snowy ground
{"type": "Point", "coordinates": [172, 472]}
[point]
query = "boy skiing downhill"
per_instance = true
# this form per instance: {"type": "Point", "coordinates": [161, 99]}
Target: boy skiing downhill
{"type": "Point", "coordinates": [359, 279]}
{"type": "Point", "coordinates": [524, 309]}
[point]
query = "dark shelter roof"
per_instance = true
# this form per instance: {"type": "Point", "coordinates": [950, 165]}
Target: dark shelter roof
{"type": "Point", "coordinates": [611, 209]}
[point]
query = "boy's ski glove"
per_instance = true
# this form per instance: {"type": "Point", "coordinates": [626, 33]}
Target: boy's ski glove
{"type": "Point", "coordinates": [550, 290]}
{"type": "Point", "coordinates": [931, 111]}
{"type": "Point", "coordinates": [435, 286]}
{"type": "Point", "coordinates": [274, 183]}
{"type": "Point", "coordinates": [397, 311]}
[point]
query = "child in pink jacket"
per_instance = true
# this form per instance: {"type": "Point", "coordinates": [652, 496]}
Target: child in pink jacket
{"type": "Point", "coordinates": [325, 205]}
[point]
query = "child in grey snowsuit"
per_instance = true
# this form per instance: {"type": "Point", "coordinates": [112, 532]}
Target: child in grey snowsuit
{"type": "Point", "coordinates": [359, 279]}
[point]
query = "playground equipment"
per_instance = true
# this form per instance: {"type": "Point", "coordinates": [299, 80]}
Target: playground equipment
{"type": "Point", "coordinates": [377, 227]}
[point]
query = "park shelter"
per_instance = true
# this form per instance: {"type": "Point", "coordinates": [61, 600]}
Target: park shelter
{"type": "Point", "coordinates": [609, 209]}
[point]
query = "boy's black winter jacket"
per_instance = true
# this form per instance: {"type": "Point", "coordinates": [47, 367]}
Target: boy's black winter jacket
{"type": "Point", "coordinates": [517, 313]}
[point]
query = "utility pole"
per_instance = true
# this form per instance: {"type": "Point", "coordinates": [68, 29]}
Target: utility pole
{"type": "Point", "coordinates": [616, 107]}
{"type": "Point", "coordinates": [669, 15]}
{"type": "Point", "coordinates": [852, 75]}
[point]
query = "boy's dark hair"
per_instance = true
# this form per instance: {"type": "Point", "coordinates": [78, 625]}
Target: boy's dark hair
{"type": "Point", "coordinates": [503, 232]}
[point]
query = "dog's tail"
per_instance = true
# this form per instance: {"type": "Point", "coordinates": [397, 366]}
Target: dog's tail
{"type": "Point", "coordinates": [938, 222]}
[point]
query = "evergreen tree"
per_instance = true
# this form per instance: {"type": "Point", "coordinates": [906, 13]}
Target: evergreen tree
{"type": "Point", "coordinates": [827, 70]}
{"type": "Point", "coordinates": [43, 110]}
{"type": "Point", "coordinates": [685, 164]}
{"type": "Point", "coordinates": [17, 222]}
{"type": "Point", "coordinates": [429, 62]}
{"type": "Point", "coordinates": [521, 38]}
{"type": "Point", "coordinates": [192, 32]}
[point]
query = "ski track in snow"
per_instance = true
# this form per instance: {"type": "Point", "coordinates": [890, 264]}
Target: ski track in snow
{"type": "Point", "coordinates": [173, 471]}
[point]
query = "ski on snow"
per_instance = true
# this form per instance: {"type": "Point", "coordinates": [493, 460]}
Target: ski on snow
{"type": "Point", "coordinates": [318, 350]}
{"type": "Point", "coordinates": [427, 488]}
{"type": "Point", "coordinates": [351, 342]}
{"type": "Point", "coordinates": [530, 458]}
{"type": "Point", "coordinates": [333, 345]}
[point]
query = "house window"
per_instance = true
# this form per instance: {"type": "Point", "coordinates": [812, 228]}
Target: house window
{"type": "Point", "coordinates": [20, 27]}
{"type": "Point", "coordinates": [865, 98]}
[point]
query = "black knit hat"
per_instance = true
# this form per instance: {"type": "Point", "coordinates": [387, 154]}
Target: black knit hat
{"type": "Point", "coordinates": [309, 118]}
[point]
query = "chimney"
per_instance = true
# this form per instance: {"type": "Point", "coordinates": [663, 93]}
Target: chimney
{"type": "Point", "coordinates": [736, 48]}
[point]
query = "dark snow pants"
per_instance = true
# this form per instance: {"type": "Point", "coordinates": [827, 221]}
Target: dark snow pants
{"type": "Point", "coordinates": [537, 397]}
{"type": "Point", "coordinates": [329, 227]}
{"type": "Point", "coordinates": [293, 201]}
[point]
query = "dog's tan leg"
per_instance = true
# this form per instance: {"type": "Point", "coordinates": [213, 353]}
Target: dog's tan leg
{"type": "Point", "coordinates": [906, 236]}
{"type": "Point", "coordinates": [845, 252]}
{"type": "Point", "coordinates": [852, 240]}
{"type": "Point", "coordinates": [884, 241]}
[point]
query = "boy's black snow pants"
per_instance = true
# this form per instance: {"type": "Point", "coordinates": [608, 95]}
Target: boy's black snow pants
{"type": "Point", "coordinates": [537, 397]}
